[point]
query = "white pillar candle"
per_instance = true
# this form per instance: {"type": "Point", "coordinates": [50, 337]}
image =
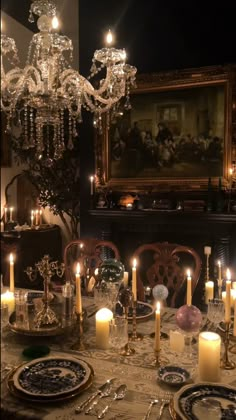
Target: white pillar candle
{"type": "Point", "coordinates": [11, 213]}
{"type": "Point", "coordinates": [207, 250]}
{"type": "Point", "coordinates": [126, 279]}
{"type": "Point", "coordinates": [176, 341]}
{"type": "Point", "coordinates": [91, 185]}
{"type": "Point", "coordinates": [78, 305]}
{"type": "Point", "coordinates": [5, 214]}
{"type": "Point", "coordinates": [134, 280]}
{"type": "Point", "coordinates": [12, 280]}
{"type": "Point", "coordinates": [228, 297]}
{"type": "Point", "coordinates": [103, 317]}
{"type": "Point", "coordinates": [157, 343]}
{"type": "Point", "coordinates": [209, 356]}
{"type": "Point", "coordinates": [209, 291]}
{"type": "Point", "coordinates": [189, 288]}
{"type": "Point", "coordinates": [9, 299]}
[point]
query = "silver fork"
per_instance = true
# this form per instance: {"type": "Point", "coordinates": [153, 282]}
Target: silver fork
{"type": "Point", "coordinates": [164, 402]}
{"type": "Point", "coordinates": [147, 415]}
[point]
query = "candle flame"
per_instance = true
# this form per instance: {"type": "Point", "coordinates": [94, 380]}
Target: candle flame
{"type": "Point", "coordinates": [228, 274]}
{"type": "Point", "coordinates": [81, 246]}
{"type": "Point", "coordinates": [78, 268]}
{"type": "Point", "coordinates": [40, 212]}
{"type": "Point", "coordinates": [158, 307]}
{"type": "Point", "coordinates": [231, 171]}
{"type": "Point", "coordinates": [91, 178]}
{"type": "Point", "coordinates": [188, 272]}
{"type": "Point", "coordinates": [55, 22]}
{"type": "Point", "coordinates": [96, 271]}
{"type": "Point", "coordinates": [219, 263]}
{"type": "Point", "coordinates": [109, 37]}
{"type": "Point", "coordinates": [11, 259]}
{"type": "Point", "coordinates": [134, 263]}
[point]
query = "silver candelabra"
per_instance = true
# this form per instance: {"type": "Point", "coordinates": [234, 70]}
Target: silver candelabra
{"type": "Point", "coordinates": [46, 316]}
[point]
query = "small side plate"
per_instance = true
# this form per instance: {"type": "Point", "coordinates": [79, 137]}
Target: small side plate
{"type": "Point", "coordinates": [173, 375]}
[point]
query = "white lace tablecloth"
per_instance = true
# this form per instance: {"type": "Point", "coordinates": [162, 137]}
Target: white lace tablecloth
{"type": "Point", "coordinates": [140, 375]}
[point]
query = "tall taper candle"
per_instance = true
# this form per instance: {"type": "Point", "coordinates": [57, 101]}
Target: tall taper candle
{"type": "Point", "coordinates": [157, 344]}
{"type": "Point", "coordinates": [78, 290]}
{"type": "Point", "coordinates": [228, 297]}
{"type": "Point", "coordinates": [91, 185]}
{"type": "Point", "coordinates": [219, 274]}
{"type": "Point", "coordinates": [12, 282]}
{"type": "Point", "coordinates": [189, 288]}
{"type": "Point", "coordinates": [11, 213]}
{"type": "Point", "coordinates": [134, 280]}
{"type": "Point", "coordinates": [5, 214]}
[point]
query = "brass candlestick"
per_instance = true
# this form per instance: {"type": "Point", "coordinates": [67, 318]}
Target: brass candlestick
{"type": "Point", "coordinates": [225, 362]}
{"type": "Point", "coordinates": [46, 269]}
{"type": "Point", "coordinates": [232, 348]}
{"type": "Point", "coordinates": [135, 336]}
{"type": "Point", "coordinates": [79, 332]}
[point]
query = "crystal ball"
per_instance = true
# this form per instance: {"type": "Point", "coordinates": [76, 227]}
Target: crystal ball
{"type": "Point", "coordinates": [160, 292]}
{"type": "Point", "coordinates": [111, 270]}
{"type": "Point", "coordinates": [188, 318]}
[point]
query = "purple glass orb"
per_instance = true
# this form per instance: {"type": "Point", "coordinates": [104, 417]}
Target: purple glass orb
{"type": "Point", "coordinates": [189, 318]}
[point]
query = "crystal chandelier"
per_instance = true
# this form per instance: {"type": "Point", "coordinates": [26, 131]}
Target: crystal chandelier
{"type": "Point", "coordinates": [45, 98]}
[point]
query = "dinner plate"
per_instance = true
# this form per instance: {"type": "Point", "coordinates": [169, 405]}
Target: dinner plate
{"type": "Point", "coordinates": [39, 399]}
{"type": "Point", "coordinates": [143, 311]}
{"type": "Point", "coordinates": [173, 375]}
{"type": "Point", "coordinates": [51, 376]}
{"type": "Point", "coordinates": [192, 402]}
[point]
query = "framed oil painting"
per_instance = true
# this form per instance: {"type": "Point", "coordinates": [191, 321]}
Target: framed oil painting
{"type": "Point", "coordinates": [177, 133]}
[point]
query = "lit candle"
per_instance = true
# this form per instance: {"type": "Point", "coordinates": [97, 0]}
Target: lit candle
{"type": "Point", "coordinates": [126, 279]}
{"type": "Point", "coordinates": [189, 288]}
{"type": "Point", "coordinates": [230, 177]}
{"type": "Point", "coordinates": [228, 296]}
{"type": "Point", "coordinates": [32, 217]}
{"type": "Point", "coordinates": [91, 185]}
{"type": "Point", "coordinates": [36, 217]}
{"type": "Point", "coordinates": [209, 356]}
{"type": "Point", "coordinates": [157, 343]}
{"type": "Point", "coordinates": [78, 290]}
{"type": "Point", "coordinates": [103, 317]}
{"type": "Point", "coordinates": [134, 280]}
{"type": "Point", "coordinates": [5, 214]}
{"type": "Point", "coordinates": [9, 299]}
{"type": "Point", "coordinates": [12, 285]}
{"type": "Point", "coordinates": [11, 212]}
{"type": "Point", "coordinates": [109, 37]}
{"type": "Point", "coordinates": [219, 274]}
{"type": "Point", "coordinates": [207, 250]}
{"type": "Point", "coordinates": [40, 217]}
{"type": "Point", "coordinates": [232, 297]}
{"type": "Point", "coordinates": [209, 291]}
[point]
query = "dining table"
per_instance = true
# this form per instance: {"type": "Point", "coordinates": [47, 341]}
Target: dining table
{"type": "Point", "coordinates": [139, 373]}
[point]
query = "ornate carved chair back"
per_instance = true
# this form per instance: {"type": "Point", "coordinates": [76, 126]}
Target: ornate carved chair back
{"type": "Point", "coordinates": [166, 263]}
{"type": "Point", "coordinates": [89, 253]}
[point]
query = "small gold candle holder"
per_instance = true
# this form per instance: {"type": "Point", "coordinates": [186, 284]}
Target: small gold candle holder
{"type": "Point", "coordinates": [79, 331]}
{"type": "Point", "coordinates": [232, 348]}
{"type": "Point", "coordinates": [135, 336]}
{"type": "Point", "coordinates": [159, 359]}
{"type": "Point", "coordinates": [225, 362]}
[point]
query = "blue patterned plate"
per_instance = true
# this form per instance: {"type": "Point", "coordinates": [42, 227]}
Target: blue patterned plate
{"type": "Point", "coordinates": [206, 400]}
{"type": "Point", "coordinates": [173, 375]}
{"type": "Point", "coordinates": [51, 376]}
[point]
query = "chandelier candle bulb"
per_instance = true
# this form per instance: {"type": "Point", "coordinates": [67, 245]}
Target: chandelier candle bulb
{"type": "Point", "coordinates": [228, 297]}
{"type": "Point", "coordinates": [134, 280]}
{"type": "Point", "coordinates": [209, 356]}
{"type": "Point", "coordinates": [12, 281]}
{"type": "Point", "coordinates": [9, 299]}
{"type": "Point", "coordinates": [91, 185]}
{"type": "Point", "coordinates": [103, 317]}
{"type": "Point", "coordinates": [207, 250]}
{"type": "Point", "coordinates": [157, 343]}
{"type": "Point", "coordinates": [78, 291]}
{"type": "Point", "coordinates": [189, 288]}
{"type": "Point", "coordinates": [209, 291]}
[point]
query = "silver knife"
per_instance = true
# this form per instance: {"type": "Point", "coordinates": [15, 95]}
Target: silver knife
{"type": "Point", "coordinates": [88, 400]}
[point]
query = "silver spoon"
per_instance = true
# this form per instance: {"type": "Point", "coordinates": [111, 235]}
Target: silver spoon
{"type": "Point", "coordinates": [118, 395]}
{"type": "Point", "coordinates": [104, 393]}
{"type": "Point", "coordinates": [147, 415]}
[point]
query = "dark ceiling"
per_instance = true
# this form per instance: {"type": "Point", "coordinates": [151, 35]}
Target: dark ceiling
{"type": "Point", "coordinates": [157, 35]}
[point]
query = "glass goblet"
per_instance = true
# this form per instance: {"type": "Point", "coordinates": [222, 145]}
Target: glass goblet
{"type": "Point", "coordinates": [118, 338]}
{"type": "Point", "coordinates": [4, 323]}
{"type": "Point", "coordinates": [215, 312]}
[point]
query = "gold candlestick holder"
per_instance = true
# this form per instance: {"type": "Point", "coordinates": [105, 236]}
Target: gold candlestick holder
{"type": "Point", "coordinates": [46, 316]}
{"type": "Point", "coordinates": [225, 362]}
{"type": "Point", "coordinates": [127, 350]}
{"type": "Point", "coordinates": [159, 360]}
{"type": "Point", "coordinates": [79, 332]}
{"type": "Point", "coordinates": [135, 336]}
{"type": "Point", "coordinates": [232, 348]}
